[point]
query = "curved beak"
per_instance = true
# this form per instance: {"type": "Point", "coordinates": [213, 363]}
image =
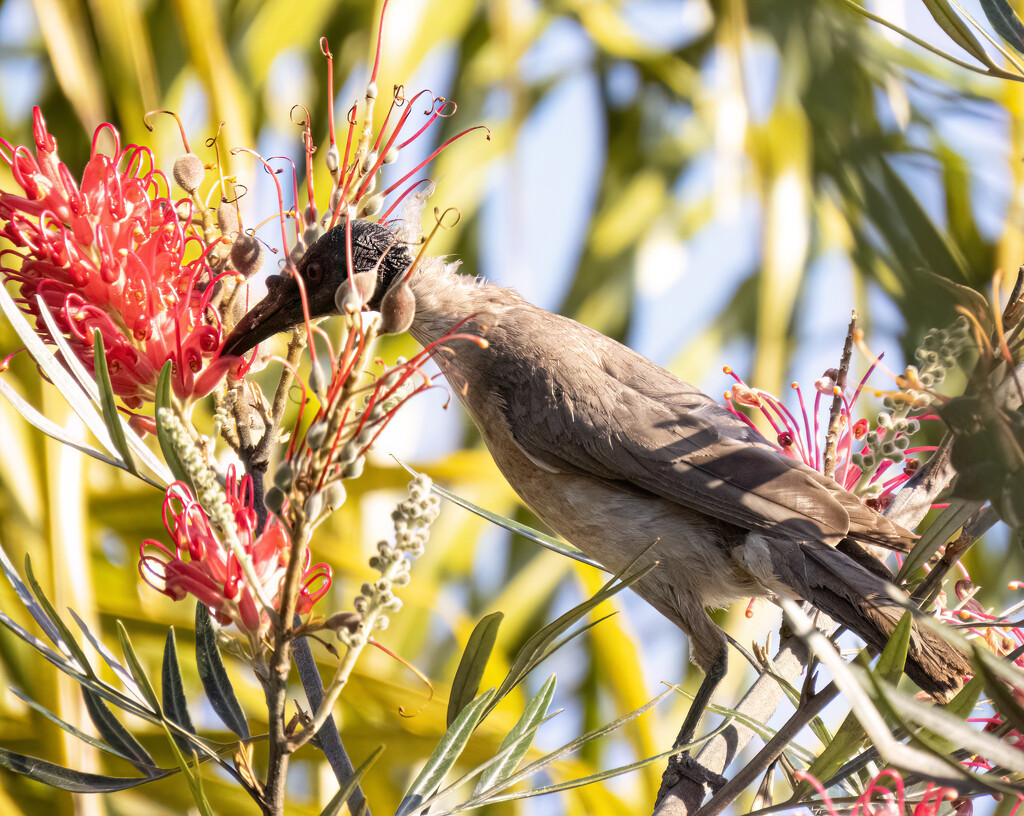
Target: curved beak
{"type": "Point", "coordinates": [279, 311]}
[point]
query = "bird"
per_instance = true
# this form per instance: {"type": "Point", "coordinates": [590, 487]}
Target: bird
{"type": "Point", "coordinates": [626, 461]}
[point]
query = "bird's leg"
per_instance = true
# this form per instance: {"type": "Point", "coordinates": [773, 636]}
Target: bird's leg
{"type": "Point", "coordinates": [712, 677]}
{"type": "Point", "coordinates": [712, 655]}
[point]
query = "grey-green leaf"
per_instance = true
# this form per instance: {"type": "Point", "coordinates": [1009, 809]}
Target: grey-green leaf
{"type": "Point", "coordinates": [172, 691]}
{"type": "Point", "coordinates": [57, 776]}
{"type": "Point", "coordinates": [1005, 21]}
{"type": "Point", "coordinates": [115, 733]}
{"type": "Point", "coordinates": [471, 667]}
{"type": "Point", "coordinates": [446, 753]}
{"type": "Point", "coordinates": [345, 791]}
{"type": "Point", "coordinates": [535, 711]}
{"type": "Point", "coordinates": [215, 677]}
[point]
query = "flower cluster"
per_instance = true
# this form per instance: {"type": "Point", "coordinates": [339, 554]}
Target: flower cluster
{"type": "Point", "coordinates": [112, 254]}
{"type": "Point", "coordinates": [871, 461]}
{"type": "Point", "coordinates": [202, 565]}
{"type": "Point", "coordinates": [412, 519]}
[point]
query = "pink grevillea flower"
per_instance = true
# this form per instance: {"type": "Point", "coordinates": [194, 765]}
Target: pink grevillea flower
{"type": "Point", "coordinates": [109, 254]}
{"type": "Point", "coordinates": [889, 802]}
{"type": "Point", "coordinates": [858, 468]}
{"type": "Point", "coordinates": [202, 565]}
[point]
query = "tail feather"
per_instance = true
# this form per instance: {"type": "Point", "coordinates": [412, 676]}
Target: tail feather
{"type": "Point", "coordinates": [858, 599]}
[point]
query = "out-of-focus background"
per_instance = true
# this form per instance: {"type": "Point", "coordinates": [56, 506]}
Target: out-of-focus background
{"type": "Point", "coordinates": [710, 182]}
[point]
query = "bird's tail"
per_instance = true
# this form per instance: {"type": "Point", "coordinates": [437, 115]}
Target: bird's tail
{"type": "Point", "coordinates": [857, 598]}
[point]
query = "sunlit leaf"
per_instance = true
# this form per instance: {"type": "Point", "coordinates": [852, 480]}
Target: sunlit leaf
{"type": "Point", "coordinates": [471, 667]}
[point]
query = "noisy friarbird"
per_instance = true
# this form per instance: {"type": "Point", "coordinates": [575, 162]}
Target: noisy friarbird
{"type": "Point", "coordinates": [616, 455]}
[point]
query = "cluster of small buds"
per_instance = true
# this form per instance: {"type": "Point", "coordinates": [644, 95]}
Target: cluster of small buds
{"type": "Point", "coordinates": [412, 519]}
{"type": "Point", "coordinates": [225, 408]}
{"type": "Point", "coordinates": [937, 354]}
{"type": "Point", "coordinates": [208, 491]}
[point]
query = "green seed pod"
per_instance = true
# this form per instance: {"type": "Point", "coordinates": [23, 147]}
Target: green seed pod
{"type": "Point", "coordinates": [397, 309]}
{"type": "Point", "coordinates": [316, 435]}
{"type": "Point", "coordinates": [189, 172]}
{"type": "Point", "coordinates": [247, 255]}
{"type": "Point", "coordinates": [275, 500]}
{"type": "Point", "coordinates": [284, 476]}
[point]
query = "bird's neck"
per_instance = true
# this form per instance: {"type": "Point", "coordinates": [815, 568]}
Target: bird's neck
{"type": "Point", "coordinates": [445, 299]}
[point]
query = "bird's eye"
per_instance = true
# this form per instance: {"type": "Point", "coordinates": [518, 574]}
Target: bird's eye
{"type": "Point", "coordinates": [313, 272]}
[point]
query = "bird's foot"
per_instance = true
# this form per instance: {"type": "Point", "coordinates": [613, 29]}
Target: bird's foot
{"type": "Point", "coordinates": [683, 766]}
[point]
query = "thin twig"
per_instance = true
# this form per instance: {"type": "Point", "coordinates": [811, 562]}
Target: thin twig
{"type": "Point", "coordinates": [835, 412]}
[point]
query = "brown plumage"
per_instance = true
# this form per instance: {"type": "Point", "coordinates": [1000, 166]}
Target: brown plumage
{"type": "Point", "coordinates": [614, 453]}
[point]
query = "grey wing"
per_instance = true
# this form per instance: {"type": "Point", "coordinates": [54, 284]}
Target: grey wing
{"type": "Point", "coordinates": [634, 422]}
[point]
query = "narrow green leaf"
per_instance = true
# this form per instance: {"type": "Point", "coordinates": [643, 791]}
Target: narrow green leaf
{"type": "Point", "coordinates": [163, 400]}
{"type": "Point", "coordinates": [941, 530]}
{"type": "Point", "coordinates": [67, 641]}
{"type": "Point", "coordinates": [850, 736]}
{"type": "Point", "coordinates": [66, 726]}
{"type": "Point", "coordinates": [894, 655]}
{"type": "Point", "coordinates": [471, 667]}
{"type": "Point", "coordinates": [57, 776]}
{"type": "Point", "coordinates": [1002, 697]}
{"type": "Point", "coordinates": [88, 384]}
{"type": "Point", "coordinates": [108, 657]}
{"type": "Point", "coordinates": [215, 677]}
{"type": "Point", "coordinates": [55, 371]}
{"type": "Point", "coordinates": [447, 752]}
{"type": "Point", "coordinates": [108, 404]}
{"type": "Point", "coordinates": [1005, 21]}
{"type": "Point", "coordinates": [957, 30]}
{"type": "Point", "coordinates": [534, 712]}
{"type": "Point", "coordinates": [115, 733]}
{"type": "Point", "coordinates": [192, 777]}
{"type": "Point", "coordinates": [540, 645]}
{"type": "Point", "coordinates": [173, 692]}
{"type": "Point", "coordinates": [346, 790]}
{"type": "Point", "coordinates": [25, 596]}
{"type": "Point", "coordinates": [137, 669]}
{"type": "Point", "coordinates": [51, 428]}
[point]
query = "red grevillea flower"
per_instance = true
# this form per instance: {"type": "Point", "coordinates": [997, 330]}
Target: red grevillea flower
{"type": "Point", "coordinates": [892, 802]}
{"type": "Point", "coordinates": [202, 565]}
{"type": "Point", "coordinates": [109, 254]}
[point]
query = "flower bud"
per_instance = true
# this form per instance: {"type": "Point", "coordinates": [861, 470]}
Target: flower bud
{"type": "Point", "coordinates": [391, 156]}
{"type": "Point", "coordinates": [284, 475]}
{"type": "Point", "coordinates": [297, 251]}
{"type": "Point", "coordinates": [333, 159]}
{"type": "Point", "coordinates": [227, 218]}
{"type": "Point", "coordinates": [373, 205]}
{"type": "Point", "coordinates": [354, 469]}
{"type": "Point", "coordinates": [189, 172]}
{"type": "Point", "coordinates": [246, 255]}
{"type": "Point", "coordinates": [314, 505]}
{"type": "Point", "coordinates": [369, 161]}
{"type": "Point", "coordinates": [397, 309]}
{"type": "Point", "coordinates": [352, 295]}
{"type": "Point", "coordinates": [275, 500]}
{"type": "Point", "coordinates": [335, 495]}
{"type": "Point", "coordinates": [316, 435]}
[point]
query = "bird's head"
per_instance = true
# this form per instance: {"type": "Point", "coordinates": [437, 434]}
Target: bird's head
{"type": "Point", "coordinates": [323, 268]}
